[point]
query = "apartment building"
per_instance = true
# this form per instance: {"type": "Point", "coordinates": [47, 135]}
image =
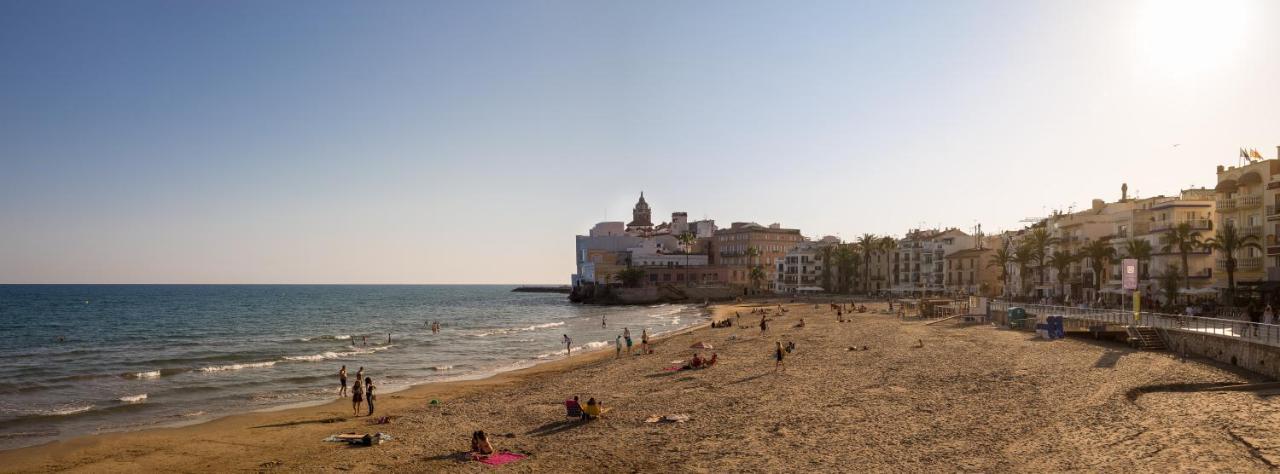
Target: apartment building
{"type": "Point", "coordinates": [751, 244]}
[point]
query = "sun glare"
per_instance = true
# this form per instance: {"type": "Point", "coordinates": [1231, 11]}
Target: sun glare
{"type": "Point", "coordinates": [1182, 37]}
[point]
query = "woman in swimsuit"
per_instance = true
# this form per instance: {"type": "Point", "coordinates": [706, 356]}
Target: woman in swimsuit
{"type": "Point", "coordinates": [357, 397]}
{"type": "Point", "coordinates": [368, 394]}
{"type": "Point", "coordinates": [342, 380]}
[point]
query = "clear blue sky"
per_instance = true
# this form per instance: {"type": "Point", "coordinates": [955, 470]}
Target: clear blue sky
{"type": "Point", "coordinates": [439, 142]}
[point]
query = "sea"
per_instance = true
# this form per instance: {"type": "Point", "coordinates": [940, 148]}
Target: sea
{"type": "Point", "coordinates": [86, 359]}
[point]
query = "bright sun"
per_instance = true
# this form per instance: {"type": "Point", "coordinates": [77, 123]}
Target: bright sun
{"type": "Point", "coordinates": [1182, 37]}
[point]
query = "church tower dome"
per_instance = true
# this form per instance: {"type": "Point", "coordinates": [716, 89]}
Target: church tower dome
{"type": "Point", "coordinates": [640, 216]}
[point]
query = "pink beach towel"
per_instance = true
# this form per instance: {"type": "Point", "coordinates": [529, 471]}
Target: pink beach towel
{"type": "Point", "coordinates": [502, 458]}
{"type": "Point", "coordinates": [672, 369]}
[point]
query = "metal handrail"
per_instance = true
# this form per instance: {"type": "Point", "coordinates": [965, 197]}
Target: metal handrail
{"type": "Point", "coordinates": [1267, 334]}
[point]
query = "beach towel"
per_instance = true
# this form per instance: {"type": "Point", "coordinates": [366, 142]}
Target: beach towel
{"type": "Point", "coordinates": [499, 459]}
{"type": "Point", "coordinates": [672, 369]}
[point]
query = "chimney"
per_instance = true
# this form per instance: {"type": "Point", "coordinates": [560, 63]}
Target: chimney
{"type": "Point", "coordinates": [1278, 152]}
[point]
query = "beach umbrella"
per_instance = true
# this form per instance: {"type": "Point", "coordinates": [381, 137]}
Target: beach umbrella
{"type": "Point", "coordinates": [702, 345]}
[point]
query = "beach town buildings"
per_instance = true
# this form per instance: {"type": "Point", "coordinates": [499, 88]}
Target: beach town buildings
{"type": "Point", "coordinates": [807, 268]}
{"type": "Point", "coordinates": [1247, 199]}
{"type": "Point", "coordinates": [749, 245]}
{"type": "Point", "coordinates": [968, 271]}
{"type": "Point", "coordinates": [919, 260]}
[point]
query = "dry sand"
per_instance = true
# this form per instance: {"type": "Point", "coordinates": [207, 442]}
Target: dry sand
{"type": "Point", "coordinates": [972, 398]}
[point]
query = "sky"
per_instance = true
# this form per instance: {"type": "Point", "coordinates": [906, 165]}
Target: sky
{"type": "Point", "coordinates": [468, 142]}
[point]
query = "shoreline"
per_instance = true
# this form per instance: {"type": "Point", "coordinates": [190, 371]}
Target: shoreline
{"type": "Point", "coordinates": [440, 390]}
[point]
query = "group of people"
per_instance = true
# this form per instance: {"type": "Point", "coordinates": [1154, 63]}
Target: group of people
{"type": "Point", "coordinates": [588, 411]}
{"type": "Point", "coordinates": [361, 390]}
{"type": "Point", "coordinates": [435, 327]}
{"type": "Point", "coordinates": [698, 362]}
{"type": "Point", "coordinates": [625, 338]}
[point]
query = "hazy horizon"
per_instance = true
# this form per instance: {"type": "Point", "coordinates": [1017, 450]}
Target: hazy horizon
{"type": "Point", "coordinates": [459, 142]}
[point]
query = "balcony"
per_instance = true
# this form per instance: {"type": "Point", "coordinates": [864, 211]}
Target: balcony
{"type": "Point", "coordinates": [1273, 211]}
{"type": "Point", "coordinates": [1243, 264]}
{"type": "Point", "coordinates": [1196, 224]}
{"type": "Point", "coordinates": [1251, 230]}
{"type": "Point", "coordinates": [1248, 202]}
{"type": "Point", "coordinates": [1226, 205]}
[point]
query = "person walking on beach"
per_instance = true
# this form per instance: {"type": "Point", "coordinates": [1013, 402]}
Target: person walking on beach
{"type": "Point", "coordinates": [777, 358]}
{"type": "Point", "coordinates": [617, 346]}
{"type": "Point", "coordinates": [568, 349]}
{"type": "Point", "coordinates": [626, 335]}
{"type": "Point", "coordinates": [764, 324]}
{"type": "Point", "coordinates": [368, 393]}
{"type": "Point", "coordinates": [644, 341]}
{"type": "Point", "coordinates": [357, 397]}
{"type": "Point", "coordinates": [342, 382]}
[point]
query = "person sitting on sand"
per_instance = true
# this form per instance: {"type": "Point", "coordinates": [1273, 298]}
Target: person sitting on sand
{"type": "Point", "coordinates": [712, 361]}
{"type": "Point", "coordinates": [572, 407]}
{"type": "Point", "coordinates": [592, 409]}
{"type": "Point", "coordinates": [801, 323]}
{"type": "Point", "coordinates": [480, 446]}
{"type": "Point", "coordinates": [357, 397]}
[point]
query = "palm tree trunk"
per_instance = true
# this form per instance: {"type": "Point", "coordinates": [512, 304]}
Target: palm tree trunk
{"type": "Point", "coordinates": [1186, 271]}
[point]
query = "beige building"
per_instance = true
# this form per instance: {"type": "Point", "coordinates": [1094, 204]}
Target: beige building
{"type": "Point", "coordinates": [1246, 197]}
{"type": "Point", "coordinates": [732, 246]}
{"type": "Point", "coordinates": [967, 273]}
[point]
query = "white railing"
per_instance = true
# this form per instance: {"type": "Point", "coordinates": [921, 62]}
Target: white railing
{"type": "Point", "coordinates": [1268, 334]}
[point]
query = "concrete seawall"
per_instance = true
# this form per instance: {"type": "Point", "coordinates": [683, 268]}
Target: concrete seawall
{"type": "Point", "coordinates": [1257, 358]}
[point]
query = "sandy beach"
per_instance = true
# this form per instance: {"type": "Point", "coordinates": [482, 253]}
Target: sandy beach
{"type": "Point", "coordinates": [971, 398]}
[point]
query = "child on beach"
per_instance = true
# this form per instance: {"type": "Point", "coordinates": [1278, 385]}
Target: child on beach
{"type": "Point", "coordinates": [480, 445]}
{"type": "Point", "coordinates": [617, 346]}
{"type": "Point", "coordinates": [342, 382]}
{"type": "Point", "coordinates": [626, 334]}
{"type": "Point", "coordinates": [357, 397]}
{"type": "Point", "coordinates": [764, 325]}
{"type": "Point", "coordinates": [777, 357]}
{"type": "Point", "coordinates": [368, 393]}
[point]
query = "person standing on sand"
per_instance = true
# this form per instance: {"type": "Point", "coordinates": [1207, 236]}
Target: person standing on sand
{"type": "Point", "coordinates": [568, 349]}
{"type": "Point", "coordinates": [626, 335]}
{"type": "Point", "coordinates": [357, 397]}
{"type": "Point", "coordinates": [368, 393]}
{"type": "Point", "coordinates": [644, 341]}
{"type": "Point", "coordinates": [764, 324]}
{"type": "Point", "coordinates": [359, 375]}
{"type": "Point", "coordinates": [777, 358]}
{"type": "Point", "coordinates": [342, 382]}
{"type": "Point", "coordinates": [617, 346]}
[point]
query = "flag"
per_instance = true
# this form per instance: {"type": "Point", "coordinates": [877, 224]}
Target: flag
{"type": "Point", "coordinates": [1244, 154]}
{"type": "Point", "coordinates": [1254, 153]}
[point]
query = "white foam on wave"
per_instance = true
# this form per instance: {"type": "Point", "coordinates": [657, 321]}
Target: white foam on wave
{"type": "Point", "coordinates": [151, 374]}
{"type": "Point", "coordinates": [534, 327]}
{"type": "Point", "coordinates": [597, 344]}
{"type": "Point", "coordinates": [250, 365]}
{"type": "Point", "coordinates": [338, 355]}
{"type": "Point", "coordinates": [67, 410]}
{"type": "Point", "coordinates": [133, 398]}
{"type": "Point", "coordinates": [340, 337]}
{"type": "Point", "coordinates": [442, 368]}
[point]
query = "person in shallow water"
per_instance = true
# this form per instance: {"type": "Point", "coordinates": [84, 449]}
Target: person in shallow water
{"type": "Point", "coordinates": [568, 349]}
{"type": "Point", "coordinates": [368, 394]}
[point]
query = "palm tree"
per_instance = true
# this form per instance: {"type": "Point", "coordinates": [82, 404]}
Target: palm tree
{"type": "Point", "coordinates": [844, 256]}
{"type": "Point", "coordinates": [1169, 283]}
{"type": "Point", "coordinates": [1228, 241]}
{"type": "Point", "coordinates": [1099, 252]}
{"type": "Point", "coordinates": [751, 253]}
{"type": "Point", "coordinates": [887, 245]}
{"type": "Point", "coordinates": [757, 276]}
{"type": "Point", "coordinates": [826, 268]}
{"type": "Point", "coordinates": [1002, 258]}
{"type": "Point", "coordinates": [1061, 262]}
{"type": "Point", "coordinates": [1182, 239]}
{"type": "Point", "coordinates": [867, 242]}
{"type": "Point", "coordinates": [687, 240]}
{"type": "Point", "coordinates": [1039, 240]}
{"type": "Point", "coordinates": [1140, 250]}
{"type": "Point", "coordinates": [1024, 255]}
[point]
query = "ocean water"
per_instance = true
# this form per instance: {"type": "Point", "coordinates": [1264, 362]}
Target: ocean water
{"type": "Point", "coordinates": [83, 359]}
